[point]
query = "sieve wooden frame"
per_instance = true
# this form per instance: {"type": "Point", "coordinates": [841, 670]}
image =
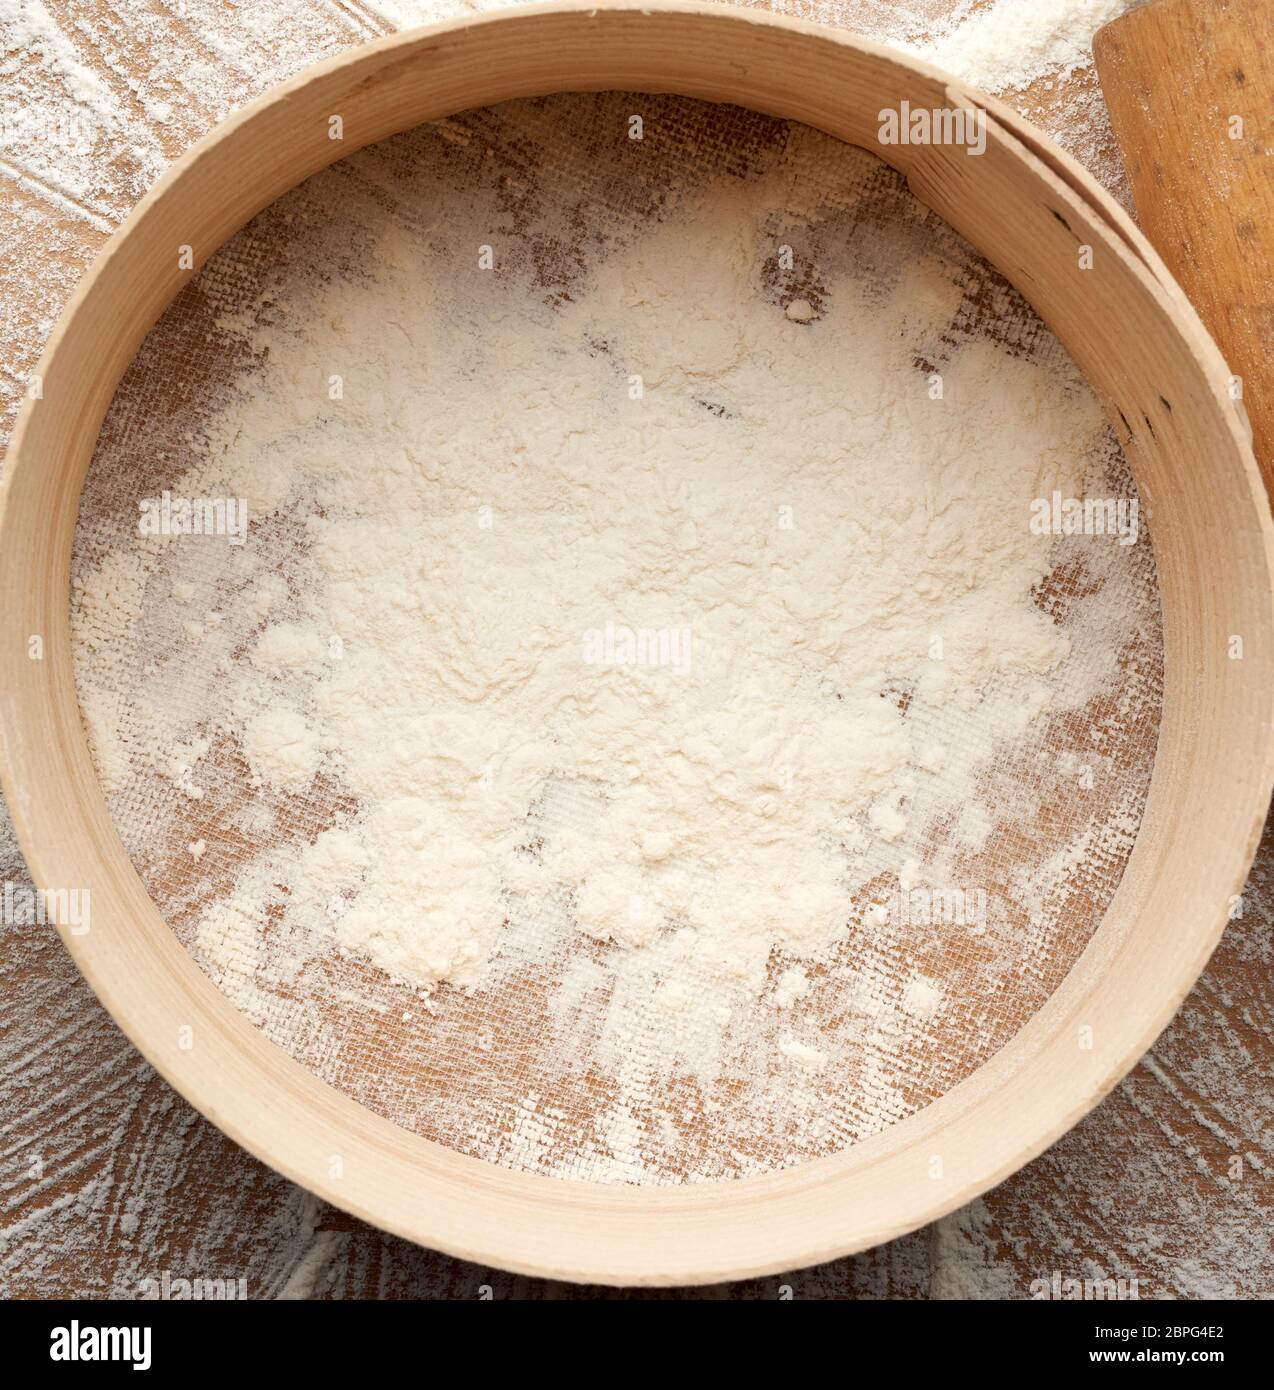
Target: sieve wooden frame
{"type": "Point", "coordinates": [1029, 209]}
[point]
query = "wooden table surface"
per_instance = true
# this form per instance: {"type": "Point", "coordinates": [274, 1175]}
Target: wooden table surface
{"type": "Point", "coordinates": [109, 1178]}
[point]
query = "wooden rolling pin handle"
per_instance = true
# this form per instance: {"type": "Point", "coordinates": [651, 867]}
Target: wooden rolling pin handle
{"type": "Point", "coordinates": [1190, 88]}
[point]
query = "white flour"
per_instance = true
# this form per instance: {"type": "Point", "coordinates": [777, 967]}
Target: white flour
{"type": "Point", "coordinates": [686, 611]}
{"type": "Point", "coordinates": [1013, 43]}
{"type": "Point", "coordinates": [709, 584]}
{"type": "Point", "coordinates": [639, 641]}
{"type": "Point", "coordinates": [79, 147]}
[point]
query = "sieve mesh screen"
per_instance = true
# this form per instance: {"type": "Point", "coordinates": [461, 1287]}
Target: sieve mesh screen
{"type": "Point", "coordinates": [520, 1071]}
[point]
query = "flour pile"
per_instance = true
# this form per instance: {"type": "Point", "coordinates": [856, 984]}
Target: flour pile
{"type": "Point", "coordinates": [702, 569]}
{"type": "Point", "coordinates": [600, 665]}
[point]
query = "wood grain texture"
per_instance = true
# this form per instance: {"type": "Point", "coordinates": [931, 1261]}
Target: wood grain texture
{"type": "Point", "coordinates": [1190, 88]}
{"type": "Point", "coordinates": [131, 1182]}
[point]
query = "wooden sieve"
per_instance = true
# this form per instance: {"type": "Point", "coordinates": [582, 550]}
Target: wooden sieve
{"type": "Point", "coordinates": [1030, 211]}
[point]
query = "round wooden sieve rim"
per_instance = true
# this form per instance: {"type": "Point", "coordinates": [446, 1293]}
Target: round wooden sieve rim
{"type": "Point", "coordinates": [1030, 210]}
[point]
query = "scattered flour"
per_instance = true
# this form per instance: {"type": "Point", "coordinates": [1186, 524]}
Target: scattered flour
{"type": "Point", "coordinates": [96, 105]}
{"type": "Point", "coordinates": [681, 582]}
{"type": "Point", "coordinates": [1013, 43]}
{"type": "Point", "coordinates": [634, 642]}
